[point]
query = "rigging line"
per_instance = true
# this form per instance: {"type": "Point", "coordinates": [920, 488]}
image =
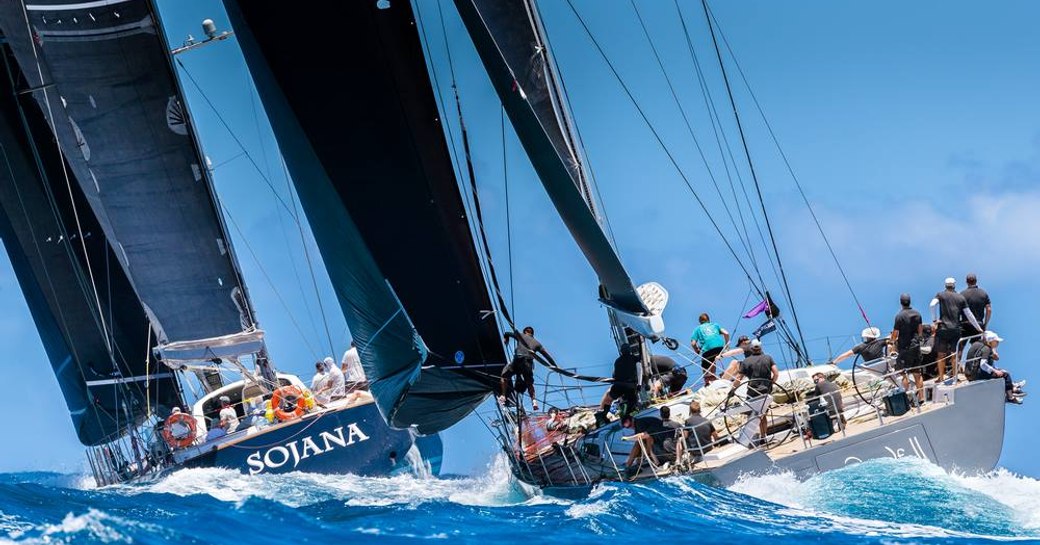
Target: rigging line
{"type": "Point", "coordinates": [296, 273]}
{"type": "Point", "coordinates": [689, 127]}
{"type": "Point", "coordinates": [233, 136]}
{"type": "Point", "coordinates": [790, 171]}
{"type": "Point", "coordinates": [720, 139]}
{"type": "Point", "coordinates": [310, 264]}
{"type": "Point", "coordinates": [68, 182]}
{"type": "Point", "coordinates": [509, 221]}
{"type": "Point", "coordinates": [754, 175]}
{"type": "Point", "coordinates": [147, 372]}
{"type": "Point", "coordinates": [661, 143]}
{"type": "Point", "coordinates": [747, 300]}
{"type": "Point", "coordinates": [263, 271]}
{"type": "Point", "coordinates": [254, 94]}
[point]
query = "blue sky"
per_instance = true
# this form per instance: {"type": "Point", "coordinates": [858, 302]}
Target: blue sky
{"type": "Point", "coordinates": [912, 127]}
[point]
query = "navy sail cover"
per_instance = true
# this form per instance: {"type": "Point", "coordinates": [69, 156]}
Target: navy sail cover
{"type": "Point", "coordinates": [101, 72]}
{"type": "Point", "coordinates": [101, 355]}
{"type": "Point", "coordinates": [354, 113]}
{"type": "Point", "coordinates": [510, 41]}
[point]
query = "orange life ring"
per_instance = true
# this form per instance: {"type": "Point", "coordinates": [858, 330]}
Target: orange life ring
{"type": "Point", "coordinates": [292, 396]}
{"type": "Point", "coordinates": [179, 430]}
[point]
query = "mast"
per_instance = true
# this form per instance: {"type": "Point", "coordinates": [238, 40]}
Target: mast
{"type": "Point", "coordinates": [373, 171]}
{"type": "Point", "coordinates": [100, 72]}
{"type": "Point", "coordinates": [510, 40]}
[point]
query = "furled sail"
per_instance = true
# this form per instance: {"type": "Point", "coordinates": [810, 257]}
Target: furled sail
{"type": "Point", "coordinates": [101, 73]}
{"type": "Point", "coordinates": [510, 41]}
{"type": "Point", "coordinates": [95, 333]}
{"type": "Point", "coordinates": [359, 128]}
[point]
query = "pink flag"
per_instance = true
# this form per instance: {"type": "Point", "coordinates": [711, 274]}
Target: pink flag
{"type": "Point", "coordinates": [758, 309]}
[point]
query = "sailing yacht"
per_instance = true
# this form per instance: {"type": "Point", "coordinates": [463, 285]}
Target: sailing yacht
{"type": "Point", "coordinates": [116, 236]}
{"type": "Point", "coordinates": [576, 444]}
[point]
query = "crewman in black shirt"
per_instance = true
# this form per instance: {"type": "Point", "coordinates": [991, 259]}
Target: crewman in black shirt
{"type": "Point", "coordinates": [761, 372]}
{"type": "Point", "coordinates": [906, 334]}
{"type": "Point", "coordinates": [978, 302]}
{"type": "Point", "coordinates": [948, 309]}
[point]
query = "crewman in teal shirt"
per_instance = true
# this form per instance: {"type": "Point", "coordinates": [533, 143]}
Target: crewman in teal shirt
{"type": "Point", "coordinates": [708, 340]}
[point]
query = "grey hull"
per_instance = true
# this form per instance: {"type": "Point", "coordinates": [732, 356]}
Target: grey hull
{"type": "Point", "coordinates": [964, 433]}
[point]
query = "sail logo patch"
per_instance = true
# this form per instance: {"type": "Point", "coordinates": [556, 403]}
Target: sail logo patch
{"type": "Point", "coordinates": [295, 451]}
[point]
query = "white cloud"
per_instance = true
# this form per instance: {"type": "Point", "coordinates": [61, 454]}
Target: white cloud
{"type": "Point", "coordinates": [993, 231]}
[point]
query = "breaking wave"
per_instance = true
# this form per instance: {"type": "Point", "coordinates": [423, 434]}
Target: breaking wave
{"type": "Point", "coordinates": [882, 501]}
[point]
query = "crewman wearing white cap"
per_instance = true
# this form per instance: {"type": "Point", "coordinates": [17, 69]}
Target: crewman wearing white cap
{"type": "Point", "coordinates": [980, 364]}
{"type": "Point", "coordinates": [947, 308]}
{"type": "Point", "coordinates": [228, 416]}
{"type": "Point", "coordinates": [871, 349]}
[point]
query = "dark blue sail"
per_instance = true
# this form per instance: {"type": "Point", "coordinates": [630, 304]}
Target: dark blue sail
{"type": "Point", "coordinates": [361, 134]}
{"type": "Point", "coordinates": [94, 330]}
{"type": "Point", "coordinates": [101, 73]}
{"type": "Point", "coordinates": [510, 41]}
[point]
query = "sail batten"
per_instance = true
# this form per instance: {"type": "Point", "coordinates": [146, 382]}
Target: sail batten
{"type": "Point", "coordinates": [510, 42]}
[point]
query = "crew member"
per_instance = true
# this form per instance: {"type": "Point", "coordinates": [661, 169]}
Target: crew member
{"type": "Point", "coordinates": [228, 417]}
{"type": "Point", "coordinates": [321, 395]}
{"type": "Point", "coordinates": [872, 348]}
{"type": "Point", "coordinates": [625, 385]}
{"type": "Point", "coordinates": [907, 333]}
{"type": "Point", "coordinates": [761, 372]}
{"type": "Point", "coordinates": [708, 340]}
{"type": "Point", "coordinates": [335, 382]}
{"type": "Point", "coordinates": [978, 302]}
{"type": "Point", "coordinates": [698, 434]}
{"type": "Point", "coordinates": [353, 372]}
{"type": "Point", "coordinates": [647, 431]}
{"type": "Point", "coordinates": [741, 351]}
{"type": "Point", "coordinates": [522, 366]}
{"type": "Point", "coordinates": [665, 374]}
{"type": "Point", "coordinates": [830, 395]}
{"type": "Point", "coordinates": [980, 364]}
{"type": "Point", "coordinates": [951, 307]}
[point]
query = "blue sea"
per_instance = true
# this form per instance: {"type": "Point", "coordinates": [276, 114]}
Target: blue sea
{"type": "Point", "coordinates": [883, 501]}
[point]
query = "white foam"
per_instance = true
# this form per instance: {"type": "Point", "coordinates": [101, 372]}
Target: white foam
{"type": "Point", "coordinates": [495, 488]}
{"type": "Point", "coordinates": [801, 498]}
{"type": "Point", "coordinates": [1021, 494]}
{"type": "Point", "coordinates": [93, 524]}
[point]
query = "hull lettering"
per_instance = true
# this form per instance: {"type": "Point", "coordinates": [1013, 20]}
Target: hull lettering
{"type": "Point", "coordinates": [301, 449]}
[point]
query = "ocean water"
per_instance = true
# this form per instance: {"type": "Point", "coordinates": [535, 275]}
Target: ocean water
{"type": "Point", "coordinates": [882, 501]}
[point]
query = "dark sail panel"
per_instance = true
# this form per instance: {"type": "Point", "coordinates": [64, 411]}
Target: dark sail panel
{"type": "Point", "coordinates": [363, 140]}
{"type": "Point", "coordinates": [108, 83]}
{"type": "Point", "coordinates": [107, 385]}
{"type": "Point", "coordinates": [508, 38]}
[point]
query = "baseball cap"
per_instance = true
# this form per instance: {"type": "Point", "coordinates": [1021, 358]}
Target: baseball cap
{"type": "Point", "coordinates": [950, 281]}
{"type": "Point", "coordinates": [225, 399]}
{"type": "Point", "coordinates": [755, 343]}
{"type": "Point", "coordinates": [991, 336]}
{"type": "Point", "coordinates": [870, 333]}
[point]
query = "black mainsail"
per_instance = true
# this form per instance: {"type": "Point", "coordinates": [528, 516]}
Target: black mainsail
{"type": "Point", "coordinates": [100, 71]}
{"type": "Point", "coordinates": [510, 41]}
{"type": "Point", "coordinates": [373, 171]}
{"type": "Point", "coordinates": [98, 342]}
